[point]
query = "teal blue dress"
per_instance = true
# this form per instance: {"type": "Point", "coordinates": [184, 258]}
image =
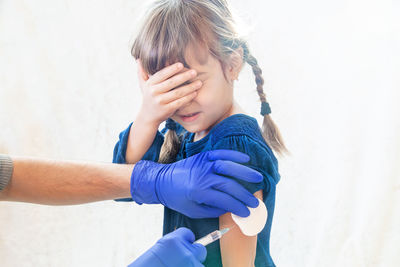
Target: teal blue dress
{"type": "Point", "coordinates": [237, 132]}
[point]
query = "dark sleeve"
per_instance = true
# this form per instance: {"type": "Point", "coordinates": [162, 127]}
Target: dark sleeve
{"type": "Point", "coordinates": [120, 147]}
{"type": "Point", "coordinates": [6, 170]}
{"type": "Point", "coordinates": [260, 160]}
{"type": "Point", "coordinates": [120, 150]}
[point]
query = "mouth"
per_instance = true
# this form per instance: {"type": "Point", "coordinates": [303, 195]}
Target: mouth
{"type": "Point", "coordinates": [189, 117]}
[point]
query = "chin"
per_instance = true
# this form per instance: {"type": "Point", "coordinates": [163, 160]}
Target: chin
{"type": "Point", "coordinates": [191, 128]}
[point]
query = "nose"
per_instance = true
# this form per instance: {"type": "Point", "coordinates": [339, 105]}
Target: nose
{"type": "Point", "coordinates": [186, 105]}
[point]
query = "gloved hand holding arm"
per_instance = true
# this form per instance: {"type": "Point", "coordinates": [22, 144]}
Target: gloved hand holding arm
{"type": "Point", "coordinates": [197, 186]}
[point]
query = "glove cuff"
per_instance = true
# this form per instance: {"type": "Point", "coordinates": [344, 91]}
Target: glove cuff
{"type": "Point", "coordinates": [143, 182]}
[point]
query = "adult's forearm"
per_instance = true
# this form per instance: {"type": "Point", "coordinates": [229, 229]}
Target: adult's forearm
{"type": "Point", "coordinates": [53, 182]}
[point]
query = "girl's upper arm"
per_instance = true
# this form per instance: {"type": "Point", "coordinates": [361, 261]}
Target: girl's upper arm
{"type": "Point", "coordinates": [237, 249]}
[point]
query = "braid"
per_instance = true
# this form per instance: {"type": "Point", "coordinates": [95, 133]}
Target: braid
{"type": "Point", "coordinates": [170, 147]}
{"type": "Point", "coordinates": [249, 58]}
{"type": "Point", "coordinates": [270, 131]}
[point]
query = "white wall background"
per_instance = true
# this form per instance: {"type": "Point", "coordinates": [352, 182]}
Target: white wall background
{"type": "Point", "coordinates": [68, 87]}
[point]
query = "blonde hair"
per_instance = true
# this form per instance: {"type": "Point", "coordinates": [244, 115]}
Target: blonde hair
{"type": "Point", "coordinates": [170, 26]}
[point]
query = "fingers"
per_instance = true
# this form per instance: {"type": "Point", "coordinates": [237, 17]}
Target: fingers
{"type": "Point", "coordinates": [225, 202]}
{"type": "Point", "coordinates": [232, 169]}
{"type": "Point", "coordinates": [181, 92]}
{"type": "Point", "coordinates": [169, 84]}
{"type": "Point", "coordinates": [174, 105]}
{"type": "Point", "coordinates": [236, 190]}
{"type": "Point", "coordinates": [188, 252]}
{"type": "Point", "coordinates": [165, 73]}
{"type": "Point", "coordinates": [185, 234]}
{"type": "Point", "coordinates": [199, 251]}
{"type": "Point", "coordinates": [232, 155]}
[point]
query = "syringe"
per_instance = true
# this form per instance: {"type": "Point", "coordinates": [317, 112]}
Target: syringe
{"type": "Point", "coordinates": [211, 237]}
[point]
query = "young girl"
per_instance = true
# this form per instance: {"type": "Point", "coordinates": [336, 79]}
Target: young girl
{"type": "Point", "coordinates": [202, 114]}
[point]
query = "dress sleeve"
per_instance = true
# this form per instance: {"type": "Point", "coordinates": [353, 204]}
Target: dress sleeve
{"type": "Point", "coordinates": [260, 160]}
{"type": "Point", "coordinates": [120, 147]}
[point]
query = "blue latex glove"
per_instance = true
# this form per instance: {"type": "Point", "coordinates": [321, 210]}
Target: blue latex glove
{"type": "Point", "coordinates": [175, 249]}
{"type": "Point", "coordinates": [197, 186]}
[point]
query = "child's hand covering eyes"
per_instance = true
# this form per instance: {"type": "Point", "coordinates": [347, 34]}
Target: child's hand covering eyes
{"type": "Point", "coordinates": [159, 101]}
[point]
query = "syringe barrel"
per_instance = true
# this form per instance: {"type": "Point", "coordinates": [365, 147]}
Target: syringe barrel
{"type": "Point", "coordinates": [208, 239]}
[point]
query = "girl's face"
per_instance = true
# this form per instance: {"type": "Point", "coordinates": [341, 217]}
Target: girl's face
{"type": "Point", "coordinates": [214, 101]}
